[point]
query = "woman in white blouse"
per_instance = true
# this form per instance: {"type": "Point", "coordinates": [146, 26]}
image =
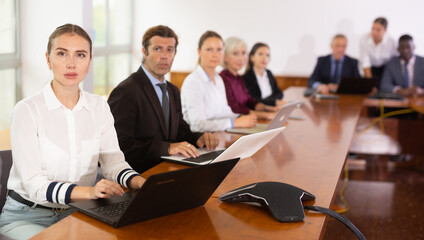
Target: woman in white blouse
{"type": "Point", "coordinates": [376, 49]}
{"type": "Point", "coordinates": [203, 97]}
{"type": "Point", "coordinates": [59, 136]}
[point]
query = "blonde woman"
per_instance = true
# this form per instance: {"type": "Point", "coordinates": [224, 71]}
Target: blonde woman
{"type": "Point", "coordinates": [238, 97]}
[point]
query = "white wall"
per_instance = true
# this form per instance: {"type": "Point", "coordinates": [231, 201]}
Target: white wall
{"type": "Point", "coordinates": [38, 20]}
{"type": "Point", "coordinates": [297, 30]}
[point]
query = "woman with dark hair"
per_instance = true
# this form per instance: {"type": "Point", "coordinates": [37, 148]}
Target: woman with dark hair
{"type": "Point", "coordinates": [259, 81]}
{"type": "Point", "coordinates": [376, 49]}
{"type": "Point", "coordinates": [59, 136]}
{"type": "Point", "coordinates": [203, 97]}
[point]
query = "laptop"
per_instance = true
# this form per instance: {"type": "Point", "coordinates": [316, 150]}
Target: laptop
{"type": "Point", "coordinates": [162, 194]}
{"type": "Point", "coordinates": [356, 85]}
{"type": "Point", "coordinates": [280, 118]}
{"type": "Point", "coordinates": [243, 147]}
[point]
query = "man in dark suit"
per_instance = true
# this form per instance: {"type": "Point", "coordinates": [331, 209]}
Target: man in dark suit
{"type": "Point", "coordinates": [404, 74]}
{"type": "Point", "coordinates": [147, 108]}
{"type": "Point", "coordinates": [330, 69]}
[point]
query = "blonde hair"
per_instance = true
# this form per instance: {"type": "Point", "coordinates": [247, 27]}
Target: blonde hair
{"type": "Point", "coordinates": [231, 44]}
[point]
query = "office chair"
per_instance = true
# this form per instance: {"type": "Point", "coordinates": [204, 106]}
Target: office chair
{"type": "Point", "coordinates": [5, 164]}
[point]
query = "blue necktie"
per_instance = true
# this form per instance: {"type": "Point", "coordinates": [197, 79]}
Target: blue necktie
{"type": "Point", "coordinates": [335, 76]}
{"type": "Point", "coordinates": [406, 76]}
{"type": "Point", "coordinates": [165, 105]}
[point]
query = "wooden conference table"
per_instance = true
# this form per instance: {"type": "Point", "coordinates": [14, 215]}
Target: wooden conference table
{"type": "Point", "coordinates": [309, 154]}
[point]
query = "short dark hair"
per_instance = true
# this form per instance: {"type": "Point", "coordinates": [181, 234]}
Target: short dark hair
{"type": "Point", "coordinates": [68, 28]}
{"type": "Point", "coordinates": [161, 31]}
{"type": "Point", "coordinates": [382, 21]}
{"type": "Point", "coordinates": [252, 52]}
{"type": "Point", "coordinates": [405, 37]}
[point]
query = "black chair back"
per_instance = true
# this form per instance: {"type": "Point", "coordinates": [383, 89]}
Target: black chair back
{"type": "Point", "coordinates": [5, 164]}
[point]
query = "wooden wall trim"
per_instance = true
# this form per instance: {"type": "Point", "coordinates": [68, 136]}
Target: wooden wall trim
{"type": "Point", "coordinates": [284, 82]}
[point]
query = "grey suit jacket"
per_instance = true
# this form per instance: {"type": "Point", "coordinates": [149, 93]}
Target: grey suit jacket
{"type": "Point", "coordinates": [393, 76]}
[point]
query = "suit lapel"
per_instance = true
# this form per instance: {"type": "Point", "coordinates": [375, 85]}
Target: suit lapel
{"type": "Point", "coordinates": [398, 74]}
{"type": "Point", "coordinates": [150, 92]}
{"type": "Point", "coordinates": [328, 69]}
{"type": "Point", "coordinates": [173, 118]}
{"type": "Point", "coordinates": [417, 68]}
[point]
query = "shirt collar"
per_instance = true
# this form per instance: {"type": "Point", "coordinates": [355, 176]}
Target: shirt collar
{"type": "Point", "coordinates": [411, 60]}
{"type": "Point", "coordinates": [383, 41]}
{"type": "Point", "coordinates": [264, 74]}
{"type": "Point", "coordinates": [334, 60]}
{"type": "Point", "coordinates": [205, 76]}
{"type": "Point", "coordinates": [152, 79]}
{"type": "Point", "coordinates": [53, 103]}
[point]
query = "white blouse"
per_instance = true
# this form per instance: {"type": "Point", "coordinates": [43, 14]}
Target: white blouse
{"type": "Point", "coordinates": [376, 55]}
{"type": "Point", "coordinates": [264, 85]}
{"type": "Point", "coordinates": [204, 104]}
{"type": "Point", "coordinates": [55, 148]}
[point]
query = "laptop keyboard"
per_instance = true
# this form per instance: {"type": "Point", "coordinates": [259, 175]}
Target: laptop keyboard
{"type": "Point", "coordinates": [113, 209]}
{"type": "Point", "coordinates": [205, 157]}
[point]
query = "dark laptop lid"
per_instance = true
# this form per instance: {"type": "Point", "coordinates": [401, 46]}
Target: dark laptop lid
{"type": "Point", "coordinates": [356, 85]}
{"type": "Point", "coordinates": [165, 193]}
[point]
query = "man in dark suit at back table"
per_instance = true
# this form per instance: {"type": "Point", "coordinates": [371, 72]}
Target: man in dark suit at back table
{"type": "Point", "coordinates": [331, 68]}
{"type": "Point", "coordinates": [404, 74]}
{"type": "Point", "coordinates": [147, 108]}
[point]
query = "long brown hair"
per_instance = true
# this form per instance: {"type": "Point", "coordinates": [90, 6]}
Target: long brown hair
{"type": "Point", "coordinates": [252, 52]}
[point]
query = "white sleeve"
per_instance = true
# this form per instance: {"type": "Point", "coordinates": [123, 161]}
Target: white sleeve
{"type": "Point", "coordinates": [363, 53]}
{"type": "Point", "coordinates": [192, 99]}
{"type": "Point", "coordinates": [112, 160]}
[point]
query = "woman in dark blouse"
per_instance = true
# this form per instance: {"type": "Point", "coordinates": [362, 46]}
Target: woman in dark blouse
{"type": "Point", "coordinates": [238, 97]}
{"type": "Point", "coordinates": [259, 81]}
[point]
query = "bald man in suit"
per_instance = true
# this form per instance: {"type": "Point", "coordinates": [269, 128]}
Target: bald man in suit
{"type": "Point", "coordinates": [331, 68]}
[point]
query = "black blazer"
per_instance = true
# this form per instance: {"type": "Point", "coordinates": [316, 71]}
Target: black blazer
{"type": "Point", "coordinates": [393, 77]}
{"type": "Point", "coordinates": [252, 85]}
{"type": "Point", "coordinates": [140, 123]}
{"type": "Point", "coordinates": [322, 71]}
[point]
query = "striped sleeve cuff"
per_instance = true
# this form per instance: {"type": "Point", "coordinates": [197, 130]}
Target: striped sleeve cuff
{"type": "Point", "coordinates": [59, 192]}
{"type": "Point", "coordinates": [125, 176]}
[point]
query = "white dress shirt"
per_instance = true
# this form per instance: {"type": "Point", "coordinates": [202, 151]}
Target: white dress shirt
{"type": "Point", "coordinates": [204, 103]}
{"type": "Point", "coordinates": [376, 55]}
{"type": "Point", "coordinates": [264, 85]}
{"type": "Point", "coordinates": [55, 148]}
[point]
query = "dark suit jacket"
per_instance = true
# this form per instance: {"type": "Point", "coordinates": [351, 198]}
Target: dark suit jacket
{"type": "Point", "coordinates": [393, 76]}
{"type": "Point", "coordinates": [252, 85]}
{"type": "Point", "coordinates": [322, 71]}
{"type": "Point", "coordinates": [140, 123]}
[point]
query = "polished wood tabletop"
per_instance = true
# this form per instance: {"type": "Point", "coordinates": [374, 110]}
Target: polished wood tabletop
{"type": "Point", "coordinates": [309, 154]}
{"type": "Point", "coordinates": [416, 103]}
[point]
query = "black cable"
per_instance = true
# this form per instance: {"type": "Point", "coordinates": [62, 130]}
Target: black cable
{"type": "Point", "coordinates": [339, 217]}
